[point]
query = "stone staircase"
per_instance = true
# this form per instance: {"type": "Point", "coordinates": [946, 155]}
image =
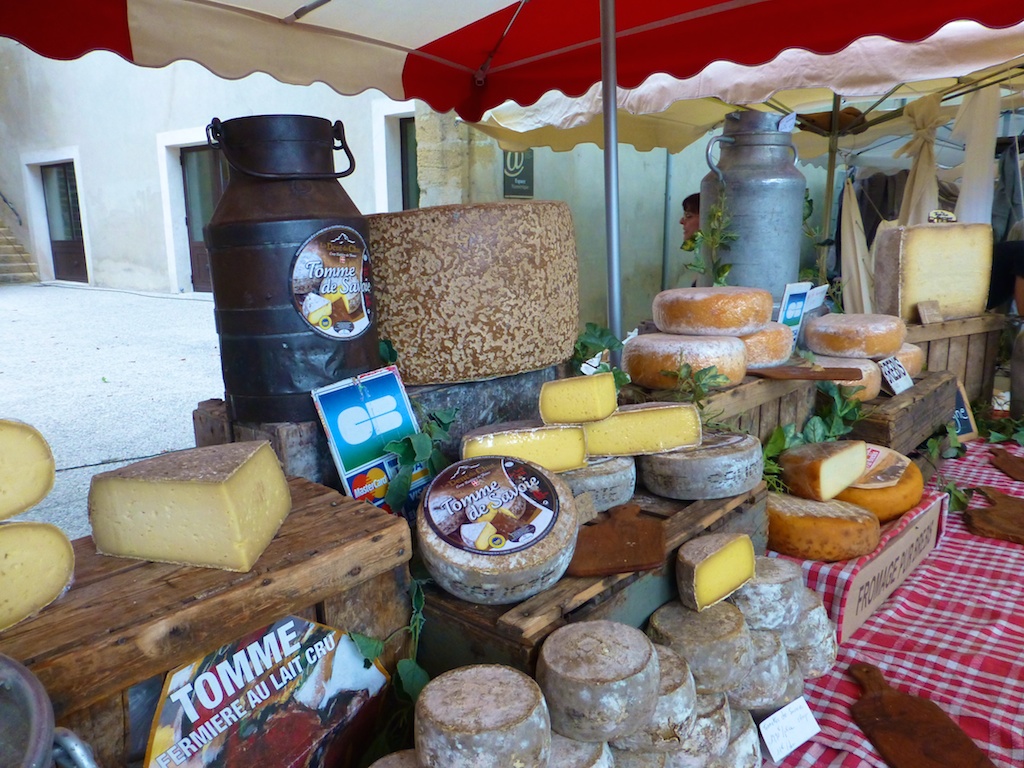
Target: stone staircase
{"type": "Point", "coordinates": [16, 265]}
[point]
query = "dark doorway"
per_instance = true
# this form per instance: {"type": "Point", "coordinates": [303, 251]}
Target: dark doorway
{"type": "Point", "coordinates": [204, 174]}
{"type": "Point", "coordinates": [60, 191]}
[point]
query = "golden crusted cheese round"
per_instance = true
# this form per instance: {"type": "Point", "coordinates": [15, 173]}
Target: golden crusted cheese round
{"type": "Point", "coordinates": [27, 469]}
{"type": "Point", "coordinates": [600, 679]}
{"type": "Point", "coordinates": [569, 753]}
{"type": "Point", "coordinates": [496, 530]}
{"type": "Point", "coordinates": [673, 716]}
{"type": "Point", "coordinates": [912, 358]}
{"type": "Point", "coordinates": [715, 311]}
{"type": "Point", "coordinates": [872, 336]}
{"type": "Point", "coordinates": [870, 377]}
{"type": "Point", "coordinates": [769, 347]}
{"type": "Point", "coordinates": [820, 530]}
{"type": "Point", "coordinates": [609, 481]}
{"type": "Point", "coordinates": [768, 676]}
{"type": "Point", "coordinates": [744, 750]}
{"type": "Point", "coordinates": [890, 502]}
{"type": "Point", "coordinates": [37, 565]}
{"type": "Point", "coordinates": [725, 464]}
{"type": "Point", "coordinates": [482, 716]}
{"type": "Point", "coordinates": [652, 359]}
{"type": "Point", "coordinates": [772, 599]}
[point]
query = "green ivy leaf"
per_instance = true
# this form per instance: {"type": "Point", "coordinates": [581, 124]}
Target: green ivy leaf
{"type": "Point", "coordinates": [413, 678]}
{"type": "Point", "coordinates": [815, 430]}
{"type": "Point", "coordinates": [398, 488]}
{"type": "Point", "coordinates": [776, 443]}
{"type": "Point", "coordinates": [387, 352]}
{"type": "Point", "coordinates": [422, 445]}
{"type": "Point", "coordinates": [370, 647]}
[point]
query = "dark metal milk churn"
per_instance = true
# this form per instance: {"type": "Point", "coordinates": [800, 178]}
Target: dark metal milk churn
{"type": "Point", "coordinates": [764, 199]}
{"type": "Point", "coordinates": [290, 267]}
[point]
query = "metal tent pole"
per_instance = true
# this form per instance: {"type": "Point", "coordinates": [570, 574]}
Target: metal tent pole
{"type": "Point", "coordinates": [609, 81]}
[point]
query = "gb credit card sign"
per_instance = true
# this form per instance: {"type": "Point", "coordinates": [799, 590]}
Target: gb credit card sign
{"type": "Point", "coordinates": [360, 416]}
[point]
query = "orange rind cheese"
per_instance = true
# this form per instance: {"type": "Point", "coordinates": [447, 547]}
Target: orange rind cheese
{"type": "Point", "coordinates": [714, 311]}
{"type": "Point", "coordinates": [873, 336]}
{"type": "Point", "coordinates": [820, 530]}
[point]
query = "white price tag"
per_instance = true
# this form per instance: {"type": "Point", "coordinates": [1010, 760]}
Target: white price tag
{"type": "Point", "coordinates": [788, 728]}
{"type": "Point", "coordinates": [895, 375]}
{"type": "Point", "coordinates": [788, 123]}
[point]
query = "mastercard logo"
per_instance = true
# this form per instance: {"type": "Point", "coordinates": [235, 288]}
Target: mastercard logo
{"type": "Point", "coordinates": [374, 483]}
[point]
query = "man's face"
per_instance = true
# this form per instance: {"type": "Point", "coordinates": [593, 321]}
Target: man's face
{"type": "Point", "coordinates": [691, 223]}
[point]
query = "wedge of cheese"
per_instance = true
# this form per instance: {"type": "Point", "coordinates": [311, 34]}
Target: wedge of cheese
{"type": "Point", "coordinates": [821, 471]}
{"type": "Point", "coordinates": [26, 467]}
{"type": "Point", "coordinates": [578, 399]}
{"type": "Point", "coordinates": [556, 447]}
{"type": "Point", "coordinates": [635, 430]}
{"type": "Point", "coordinates": [37, 564]}
{"type": "Point", "coordinates": [711, 567]}
{"type": "Point", "coordinates": [216, 507]}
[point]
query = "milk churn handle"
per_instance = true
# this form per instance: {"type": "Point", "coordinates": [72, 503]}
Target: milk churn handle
{"type": "Point", "coordinates": [707, 155]}
{"type": "Point", "coordinates": [69, 751]}
{"type": "Point", "coordinates": [214, 134]}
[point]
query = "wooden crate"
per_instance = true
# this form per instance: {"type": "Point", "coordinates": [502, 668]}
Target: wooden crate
{"type": "Point", "coordinates": [966, 348]}
{"type": "Point", "coordinates": [904, 421]}
{"type": "Point", "coordinates": [125, 622]}
{"type": "Point", "coordinates": [457, 633]}
{"type": "Point", "coordinates": [757, 406]}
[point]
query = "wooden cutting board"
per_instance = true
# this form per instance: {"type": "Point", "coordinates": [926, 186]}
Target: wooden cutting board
{"type": "Point", "coordinates": [1003, 520]}
{"type": "Point", "coordinates": [622, 542]}
{"type": "Point", "coordinates": [910, 731]}
{"type": "Point", "coordinates": [807, 373]}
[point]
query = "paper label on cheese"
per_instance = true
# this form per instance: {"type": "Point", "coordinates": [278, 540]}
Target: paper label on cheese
{"type": "Point", "coordinates": [492, 505]}
{"type": "Point", "coordinates": [884, 469]}
{"type": "Point", "coordinates": [330, 283]}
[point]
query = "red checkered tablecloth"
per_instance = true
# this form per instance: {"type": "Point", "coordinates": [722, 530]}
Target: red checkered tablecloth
{"type": "Point", "coordinates": [952, 632]}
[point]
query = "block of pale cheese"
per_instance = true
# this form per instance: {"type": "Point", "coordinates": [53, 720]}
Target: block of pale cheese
{"type": "Point", "coordinates": [714, 311]}
{"type": "Point", "coordinates": [768, 676]}
{"type": "Point", "coordinates": [27, 469]}
{"type": "Point", "coordinates": [888, 503]}
{"type": "Point", "coordinates": [725, 464]}
{"type": "Point", "coordinates": [874, 336]}
{"type": "Point", "coordinates": [470, 292]}
{"type": "Point", "coordinates": [635, 430]}
{"type": "Point", "coordinates": [673, 717]}
{"type": "Point", "coordinates": [870, 377]}
{"type": "Point", "coordinates": [405, 758]}
{"type": "Point", "coordinates": [607, 481]}
{"type": "Point", "coordinates": [496, 530]}
{"type": "Point", "coordinates": [769, 347]}
{"type": "Point", "coordinates": [653, 359]}
{"type": "Point", "coordinates": [711, 567]}
{"type": "Point", "coordinates": [556, 447]}
{"type": "Point", "coordinates": [715, 642]}
{"type": "Point", "coordinates": [772, 598]}
{"type": "Point", "coordinates": [578, 399]}
{"type": "Point", "coordinates": [482, 716]}
{"type": "Point", "coordinates": [600, 678]}
{"type": "Point", "coordinates": [912, 358]}
{"type": "Point", "coordinates": [37, 564]}
{"type": "Point", "coordinates": [947, 263]}
{"type": "Point", "coordinates": [820, 530]}
{"type": "Point", "coordinates": [744, 750]}
{"type": "Point", "coordinates": [569, 753]}
{"type": "Point", "coordinates": [819, 471]}
{"type": "Point", "coordinates": [218, 506]}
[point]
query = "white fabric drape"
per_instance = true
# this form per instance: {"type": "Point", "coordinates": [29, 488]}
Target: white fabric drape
{"type": "Point", "coordinates": [921, 195]}
{"type": "Point", "coordinates": [858, 266]}
{"type": "Point", "coordinates": [977, 126]}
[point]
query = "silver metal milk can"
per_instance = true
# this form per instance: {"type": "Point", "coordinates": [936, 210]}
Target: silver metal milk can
{"type": "Point", "coordinates": [764, 199]}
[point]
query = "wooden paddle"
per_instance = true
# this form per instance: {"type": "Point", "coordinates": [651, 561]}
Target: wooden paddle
{"type": "Point", "coordinates": [1003, 520]}
{"type": "Point", "coordinates": [910, 731]}
{"type": "Point", "coordinates": [622, 542]}
{"type": "Point", "coordinates": [1006, 462]}
{"type": "Point", "coordinates": [806, 373]}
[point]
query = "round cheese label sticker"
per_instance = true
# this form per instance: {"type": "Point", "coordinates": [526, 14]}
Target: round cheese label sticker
{"type": "Point", "coordinates": [330, 283]}
{"type": "Point", "coordinates": [490, 505]}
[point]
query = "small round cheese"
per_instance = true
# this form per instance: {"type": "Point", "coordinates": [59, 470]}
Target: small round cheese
{"type": "Point", "coordinates": [744, 750]}
{"type": "Point", "coordinates": [912, 358]}
{"type": "Point", "coordinates": [769, 347]}
{"type": "Point", "coordinates": [811, 626]}
{"type": "Point", "coordinates": [725, 464]}
{"type": "Point", "coordinates": [817, 659]}
{"type": "Point", "coordinates": [672, 719]}
{"type": "Point", "coordinates": [646, 357]}
{"type": "Point", "coordinates": [772, 599]}
{"type": "Point", "coordinates": [870, 375]}
{"type": "Point", "coordinates": [794, 689]}
{"type": "Point", "coordinates": [820, 530]}
{"type": "Point", "coordinates": [855, 335]}
{"type": "Point", "coordinates": [768, 676]}
{"type": "Point", "coordinates": [600, 678]}
{"type": "Point", "coordinates": [715, 642]}
{"type": "Point", "coordinates": [37, 565]}
{"type": "Point", "coordinates": [716, 311]}
{"type": "Point", "coordinates": [626, 759]}
{"type": "Point", "coordinates": [481, 716]}
{"type": "Point", "coordinates": [891, 502]}
{"type": "Point", "coordinates": [609, 481]}
{"type": "Point", "coordinates": [404, 759]}
{"type": "Point", "coordinates": [709, 737]}
{"type": "Point", "coordinates": [496, 530]}
{"type": "Point", "coordinates": [569, 753]}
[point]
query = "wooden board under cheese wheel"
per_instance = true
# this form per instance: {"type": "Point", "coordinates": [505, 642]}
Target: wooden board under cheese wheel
{"type": "Point", "coordinates": [621, 543]}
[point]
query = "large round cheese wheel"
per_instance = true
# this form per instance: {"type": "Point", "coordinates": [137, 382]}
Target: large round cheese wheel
{"type": "Point", "coordinates": [870, 377]}
{"type": "Point", "coordinates": [820, 530]}
{"type": "Point", "coordinates": [404, 759]}
{"type": "Point", "coordinates": [37, 564]}
{"type": "Point", "coordinates": [772, 598]}
{"type": "Point", "coordinates": [569, 753]}
{"type": "Point", "coordinates": [672, 719]}
{"type": "Point", "coordinates": [725, 464]}
{"type": "Point", "coordinates": [27, 469]}
{"type": "Point", "coordinates": [714, 311]}
{"type": "Point", "coordinates": [482, 716]}
{"type": "Point", "coordinates": [600, 678]}
{"type": "Point", "coordinates": [769, 347]}
{"type": "Point", "coordinates": [889, 503]}
{"type": "Point", "coordinates": [841, 335]}
{"type": "Point", "coordinates": [496, 530]}
{"type": "Point", "coordinates": [768, 676]}
{"type": "Point", "coordinates": [647, 356]}
{"type": "Point", "coordinates": [744, 750]}
{"type": "Point", "coordinates": [912, 358]}
{"type": "Point", "coordinates": [468, 292]}
{"type": "Point", "coordinates": [609, 481]}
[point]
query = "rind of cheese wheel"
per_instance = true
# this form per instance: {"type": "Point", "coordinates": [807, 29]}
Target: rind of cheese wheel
{"type": "Point", "coordinates": [556, 447]}
{"type": "Point", "coordinates": [768, 676]}
{"type": "Point", "coordinates": [911, 357]}
{"type": "Point", "coordinates": [716, 311]}
{"type": "Point", "coordinates": [218, 506]}
{"type": "Point", "coordinates": [27, 468]}
{"type": "Point", "coordinates": [744, 750]}
{"type": "Point", "coordinates": [406, 758]}
{"type": "Point", "coordinates": [820, 530]}
{"type": "Point", "coordinates": [873, 336]}
{"type": "Point", "coordinates": [600, 678]}
{"type": "Point", "coordinates": [709, 736]}
{"type": "Point", "coordinates": [769, 347]}
{"type": "Point", "coordinates": [672, 719]}
{"type": "Point", "coordinates": [715, 642]}
{"type": "Point", "coordinates": [725, 464]}
{"type": "Point", "coordinates": [625, 759]}
{"type": "Point", "coordinates": [482, 716]}
{"type": "Point", "coordinates": [569, 753]}
{"type": "Point", "coordinates": [870, 375]}
{"type": "Point", "coordinates": [647, 357]}
{"type": "Point", "coordinates": [711, 567]}
{"type": "Point", "coordinates": [578, 399]}
{"type": "Point", "coordinates": [37, 564]}
{"type": "Point", "coordinates": [820, 471]}
{"type": "Point", "coordinates": [889, 503]}
{"type": "Point", "coordinates": [817, 659]}
{"type": "Point", "coordinates": [636, 430]}
{"type": "Point", "coordinates": [609, 481]}
{"type": "Point", "coordinates": [794, 689]}
{"type": "Point", "coordinates": [772, 598]}
{"type": "Point", "coordinates": [811, 626]}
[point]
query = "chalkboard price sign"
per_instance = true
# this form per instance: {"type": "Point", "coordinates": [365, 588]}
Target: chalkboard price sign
{"type": "Point", "coordinates": [963, 417]}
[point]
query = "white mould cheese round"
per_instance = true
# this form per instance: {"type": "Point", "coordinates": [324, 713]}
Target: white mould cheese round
{"type": "Point", "coordinates": [709, 737]}
{"type": "Point", "coordinates": [773, 598]}
{"type": "Point", "coordinates": [812, 624]}
{"type": "Point", "coordinates": [600, 678]}
{"type": "Point", "coordinates": [817, 659]}
{"type": "Point", "coordinates": [404, 759]}
{"type": "Point", "coordinates": [744, 750]}
{"type": "Point", "coordinates": [715, 642]}
{"type": "Point", "coordinates": [794, 689]}
{"type": "Point", "coordinates": [496, 530]}
{"type": "Point", "coordinates": [673, 718]}
{"type": "Point", "coordinates": [768, 676]}
{"type": "Point", "coordinates": [482, 716]}
{"type": "Point", "coordinates": [725, 464]}
{"type": "Point", "coordinates": [569, 753]}
{"type": "Point", "coordinates": [609, 481]}
{"type": "Point", "coordinates": [627, 759]}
